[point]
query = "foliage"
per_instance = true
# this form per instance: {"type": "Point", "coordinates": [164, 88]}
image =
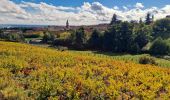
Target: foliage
{"type": "Point", "coordinates": [108, 43]}
{"type": "Point", "coordinates": [129, 37]}
{"type": "Point", "coordinates": [61, 48]}
{"type": "Point", "coordinates": [80, 39]}
{"type": "Point", "coordinates": [149, 20]}
{"type": "Point", "coordinates": [48, 37]}
{"type": "Point", "coordinates": [160, 47]}
{"type": "Point", "coordinates": [162, 28]}
{"type": "Point", "coordinates": [31, 35]}
{"type": "Point", "coordinates": [62, 42]}
{"type": "Point", "coordinates": [44, 73]}
{"type": "Point", "coordinates": [114, 20]}
{"type": "Point", "coordinates": [12, 37]}
{"type": "Point", "coordinates": [95, 40]}
{"type": "Point", "coordinates": [143, 35]}
{"type": "Point", "coordinates": [119, 38]}
{"type": "Point", "coordinates": [147, 60]}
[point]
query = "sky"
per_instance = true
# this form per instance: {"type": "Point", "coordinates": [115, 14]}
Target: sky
{"type": "Point", "coordinates": [78, 12]}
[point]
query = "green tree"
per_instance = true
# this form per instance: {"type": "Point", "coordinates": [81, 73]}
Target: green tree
{"type": "Point", "coordinates": [109, 38]}
{"type": "Point", "coordinates": [95, 41]}
{"type": "Point", "coordinates": [143, 35]}
{"type": "Point", "coordinates": [48, 37]}
{"type": "Point", "coordinates": [148, 20]}
{"type": "Point", "coordinates": [119, 38]}
{"type": "Point", "coordinates": [125, 37]}
{"type": "Point", "coordinates": [161, 28]}
{"type": "Point", "coordinates": [80, 39]}
{"type": "Point", "coordinates": [114, 19]}
{"type": "Point", "coordinates": [160, 47]}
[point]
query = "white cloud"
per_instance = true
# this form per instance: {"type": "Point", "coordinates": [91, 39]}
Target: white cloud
{"type": "Point", "coordinates": [116, 7]}
{"type": "Point", "coordinates": [139, 5]}
{"type": "Point", "coordinates": [125, 8]}
{"type": "Point", "coordinates": [88, 13]}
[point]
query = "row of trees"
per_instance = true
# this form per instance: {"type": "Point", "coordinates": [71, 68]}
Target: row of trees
{"type": "Point", "coordinates": [15, 37]}
{"type": "Point", "coordinates": [120, 37]}
{"type": "Point", "coordinates": [129, 37]}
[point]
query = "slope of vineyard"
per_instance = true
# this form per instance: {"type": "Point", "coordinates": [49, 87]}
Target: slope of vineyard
{"type": "Point", "coordinates": [28, 72]}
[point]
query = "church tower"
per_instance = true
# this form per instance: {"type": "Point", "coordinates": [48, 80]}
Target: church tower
{"type": "Point", "coordinates": [67, 25]}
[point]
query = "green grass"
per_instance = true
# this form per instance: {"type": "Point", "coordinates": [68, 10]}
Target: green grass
{"type": "Point", "coordinates": [28, 39]}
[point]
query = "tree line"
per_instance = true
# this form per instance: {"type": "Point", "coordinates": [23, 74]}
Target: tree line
{"type": "Point", "coordinates": [147, 36]}
{"type": "Point", "coordinates": [134, 37]}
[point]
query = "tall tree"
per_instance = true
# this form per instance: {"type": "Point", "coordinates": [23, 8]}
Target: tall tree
{"type": "Point", "coordinates": [95, 41]}
{"type": "Point", "coordinates": [143, 35]}
{"type": "Point", "coordinates": [148, 20]}
{"type": "Point", "coordinates": [109, 38]}
{"type": "Point", "coordinates": [119, 38]}
{"type": "Point", "coordinates": [140, 21]}
{"type": "Point", "coordinates": [125, 38]}
{"type": "Point", "coordinates": [162, 28]}
{"type": "Point", "coordinates": [153, 18]}
{"type": "Point", "coordinates": [80, 40]}
{"type": "Point", "coordinates": [114, 19]}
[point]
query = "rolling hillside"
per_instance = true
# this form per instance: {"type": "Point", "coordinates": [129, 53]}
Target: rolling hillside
{"type": "Point", "coordinates": [29, 72]}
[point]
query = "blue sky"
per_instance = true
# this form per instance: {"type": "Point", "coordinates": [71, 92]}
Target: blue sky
{"type": "Point", "coordinates": [108, 3]}
{"type": "Point", "coordinates": [79, 12]}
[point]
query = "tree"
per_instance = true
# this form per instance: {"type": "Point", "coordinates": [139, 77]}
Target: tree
{"type": "Point", "coordinates": [161, 28]}
{"type": "Point", "coordinates": [119, 38]}
{"type": "Point", "coordinates": [15, 37]}
{"type": "Point", "coordinates": [80, 39]}
{"type": "Point", "coordinates": [114, 19]}
{"type": "Point", "coordinates": [143, 35]}
{"type": "Point", "coordinates": [148, 20]}
{"type": "Point", "coordinates": [48, 37]}
{"type": "Point", "coordinates": [126, 37]}
{"type": "Point", "coordinates": [160, 47]}
{"type": "Point", "coordinates": [109, 38]}
{"type": "Point", "coordinates": [140, 21]}
{"type": "Point", "coordinates": [95, 41]}
{"type": "Point", "coordinates": [152, 18]}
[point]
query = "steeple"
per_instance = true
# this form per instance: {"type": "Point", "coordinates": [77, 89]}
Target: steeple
{"type": "Point", "coordinates": [67, 24]}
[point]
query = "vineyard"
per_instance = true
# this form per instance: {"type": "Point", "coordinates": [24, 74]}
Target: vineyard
{"type": "Point", "coordinates": [29, 72]}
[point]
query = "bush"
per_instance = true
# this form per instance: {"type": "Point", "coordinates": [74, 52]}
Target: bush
{"type": "Point", "coordinates": [160, 47]}
{"type": "Point", "coordinates": [147, 60]}
{"type": "Point", "coordinates": [61, 48]}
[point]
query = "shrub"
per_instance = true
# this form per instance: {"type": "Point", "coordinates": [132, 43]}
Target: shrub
{"type": "Point", "coordinates": [160, 47]}
{"type": "Point", "coordinates": [147, 60]}
{"type": "Point", "coordinates": [61, 48]}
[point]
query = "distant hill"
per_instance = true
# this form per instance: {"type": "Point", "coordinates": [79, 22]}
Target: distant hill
{"type": "Point", "coordinates": [20, 26]}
